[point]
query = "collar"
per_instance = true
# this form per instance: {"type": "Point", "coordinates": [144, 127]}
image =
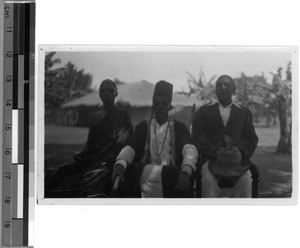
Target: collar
{"type": "Point", "coordinates": [154, 122]}
{"type": "Point", "coordinates": [230, 105]}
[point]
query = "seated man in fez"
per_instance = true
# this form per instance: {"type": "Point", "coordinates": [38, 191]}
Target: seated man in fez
{"type": "Point", "coordinates": [90, 175]}
{"type": "Point", "coordinates": [224, 135]}
{"type": "Point", "coordinates": [160, 157]}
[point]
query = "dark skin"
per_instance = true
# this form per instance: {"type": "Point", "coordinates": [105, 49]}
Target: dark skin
{"type": "Point", "coordinates": [107, 93]}
{"type": "Point", "coordinates": [224, 89]}
{"type": "Point", "coordinates": [161, 107]}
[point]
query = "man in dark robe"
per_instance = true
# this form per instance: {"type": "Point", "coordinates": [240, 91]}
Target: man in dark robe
{"type": "Point", "coordinates": [217, 126]}
{"type": "Point", "coordinates": [159, 159]}
{"type": "Point", "coordinates": [90, 175]}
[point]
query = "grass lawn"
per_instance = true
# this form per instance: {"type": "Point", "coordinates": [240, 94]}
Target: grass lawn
{"type": "Point", "coordinates": [62, 143]}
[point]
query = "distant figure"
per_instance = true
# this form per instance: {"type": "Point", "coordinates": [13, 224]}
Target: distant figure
{"type": "Point", "coordinates": [224, 135]}
{"type": "Point", "coordinates": [90, 175]}
{"type": "Point", "coordinates": [160, 157]}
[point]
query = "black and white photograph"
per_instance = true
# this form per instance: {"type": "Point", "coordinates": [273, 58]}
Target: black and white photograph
{"type": "Point", "coordinates": [149, 123]}
{"type": "Point", "coordinates": [163, 123]}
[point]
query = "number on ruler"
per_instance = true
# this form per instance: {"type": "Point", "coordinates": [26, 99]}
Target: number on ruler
{"type": "Point", "coordinates": [6, 11]}
{"type": "Point", "coordinates": [9, 29]}
{"type": "Point", "coordinates": [7, 225]}
{"type": "Point", "coordinates": [8, 79]}
{"type": "Point", "coordinates": [7, 200]}
{"type": "Point", "coordinates": [7, 152]}
{"type": "Point", "coordinates": [8, 127]}
{"type": "Point", "coordinates": [8, 175]}
{"type": "Point", "coordinates": [8, 102]}
{"type": "Point", "coordinates": [9, 54]}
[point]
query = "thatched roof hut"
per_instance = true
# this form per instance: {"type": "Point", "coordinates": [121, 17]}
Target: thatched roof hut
{"type": "Point", "coordinates": [134, 94]}
{"type": "Point", "coordinates": [137, 97]}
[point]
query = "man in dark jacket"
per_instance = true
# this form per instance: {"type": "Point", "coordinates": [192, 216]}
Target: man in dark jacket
{"type": "Point", "coordinates": [217, 126]}
{"type": "Point", "coordinates": [160, 157]}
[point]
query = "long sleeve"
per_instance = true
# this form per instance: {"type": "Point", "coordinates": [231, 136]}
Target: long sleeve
{"type": "Point", "coordinates": [248, 143]}
{"type": "Point", "coordinates": [185, 146]}
{"type": "Point", "coordinates": [88, 143]}
{"type": "Point", "coordinates": [190, 157]}
{"type": "Point", "coordinates": [134, 148]}
{"type": "Point", "coordinates": [137, 140]}
{"type": "Point", "coordinates": [126, 156]}
{"type": "Point", "coordinates": [203, 144]}
{"type": "Point", "coordinates": [125, 132]}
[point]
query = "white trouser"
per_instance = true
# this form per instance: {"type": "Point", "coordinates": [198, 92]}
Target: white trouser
{"type": "Point", "coordinates": [151, 181]}
{"type": "Point", "coordinates": [211, 189]}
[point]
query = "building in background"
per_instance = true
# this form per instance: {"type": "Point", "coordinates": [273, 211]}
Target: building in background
{"type": "Point", "coordinates": [135, 97]}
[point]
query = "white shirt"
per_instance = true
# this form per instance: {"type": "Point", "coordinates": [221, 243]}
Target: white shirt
{"type": "Point", "coordinates": [225, 111]}
{"type": "Point", "coordinates": [160, 142]}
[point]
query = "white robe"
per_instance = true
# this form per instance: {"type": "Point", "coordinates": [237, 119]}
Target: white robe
{"type": "Point", "coordinates": [151, 180]}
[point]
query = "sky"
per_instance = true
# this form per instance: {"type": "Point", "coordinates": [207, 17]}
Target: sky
{"type": "Point", "coordinates": [172, 66]}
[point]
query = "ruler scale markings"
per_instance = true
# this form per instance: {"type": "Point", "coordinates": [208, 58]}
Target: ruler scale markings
{"type": "Point", "coordinates": [15, 81]}
{"type": "Point", "coordinates": [21, 28]}
{"type": "Point", "coordinates": [18, 77]}
{"type": "Point", "coordinates": [16, 41]}
{"type": "Point", "coordinates": [20, 191]}
{"type": "Point", "coordinates": [7, 116]}
{"type": "Point", "coordinates": [21, 82]}
{"type": "Point", "coordinates": [31, 123]}
{"type": "Point", "coordinates": [26, 122]}
{"type": "Point", "coordinates": [21, 140]}
{"type": "Point", "coordinates": [16, 29]}
{"type": "Point", "coordinates": [14, 192]}
{"type": "Point", "coordinates": [15, 125]}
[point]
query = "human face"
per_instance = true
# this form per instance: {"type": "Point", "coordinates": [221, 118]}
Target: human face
{"type": "Point", "coordinates": [107, 93]}
{"type": "Point", "coordinates": [161, 107]}
{"type": "Point", "coordinates": [224, 89]}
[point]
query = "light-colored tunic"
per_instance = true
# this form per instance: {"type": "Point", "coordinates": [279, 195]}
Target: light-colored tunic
{"type": "Point", "coordinates": [151, 180]}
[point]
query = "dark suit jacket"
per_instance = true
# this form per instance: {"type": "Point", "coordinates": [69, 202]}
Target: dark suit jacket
{"type": "Point", "coordinates": [138, 140]}
{"type": "Point", "coordinates": [208, 130]}
{"type": "Point", "coordinates": [170, 173]}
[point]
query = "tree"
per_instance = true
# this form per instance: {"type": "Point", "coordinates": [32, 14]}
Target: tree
{"type": "Point", "coordinates": [283, 90]}
{"type": "Point", "coordinates": [256, 94]}
{"type": "Point", "coordinates": [202, 88]}
{"type": "Point", "coordinates": [75, 83]}
{"type": "Point", "coordinates": [53, 98]}
{"type": "Point", "coordinates": [253, 92]}
{"type": "Point", "coordinates": [63, 84]}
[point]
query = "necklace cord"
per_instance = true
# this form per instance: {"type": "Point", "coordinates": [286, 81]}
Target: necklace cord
{"type": "Point", "coordinates": [163, 144]}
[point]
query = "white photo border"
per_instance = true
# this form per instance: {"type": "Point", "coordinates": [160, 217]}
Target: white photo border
{"type": "Point", "coordinates": [40, 124]}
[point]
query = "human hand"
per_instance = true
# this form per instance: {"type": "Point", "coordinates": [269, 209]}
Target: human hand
{"type": "Point", "coordinates": [119, 170]}
{"type": "Point", "coordinates": [183, 182]}
{"type": "Point", "coordinates": [217, 153]}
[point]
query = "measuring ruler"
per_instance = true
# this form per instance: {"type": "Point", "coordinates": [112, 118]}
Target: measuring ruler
{"type": "Point", "coordinates": [18, 121]}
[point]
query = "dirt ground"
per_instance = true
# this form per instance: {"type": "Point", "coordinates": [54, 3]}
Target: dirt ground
{"type": "Point", "coordinates": [62, 143]}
